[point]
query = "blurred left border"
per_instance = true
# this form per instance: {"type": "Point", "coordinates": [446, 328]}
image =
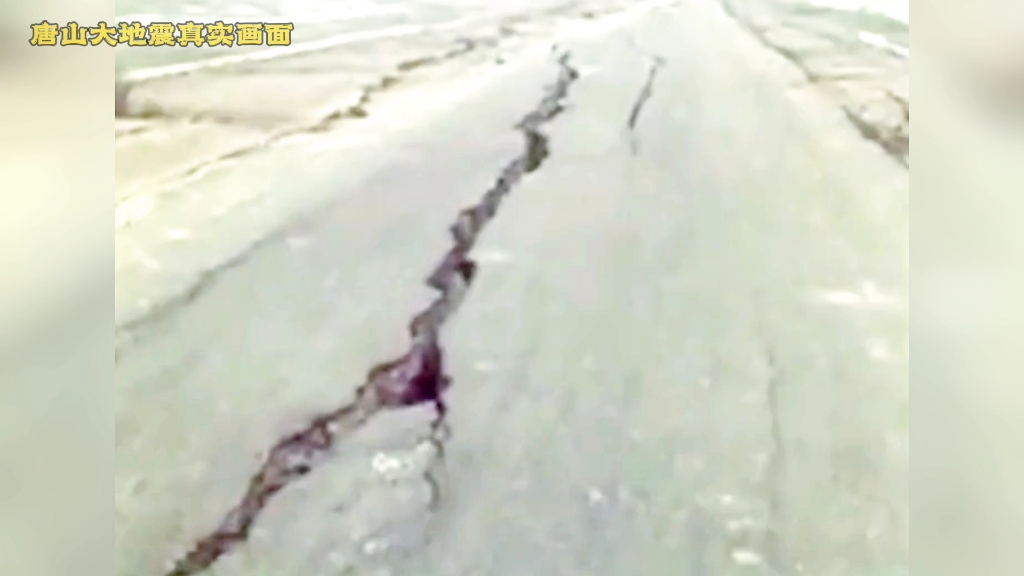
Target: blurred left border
{"type": "Point", "coordinates": [56, 305]}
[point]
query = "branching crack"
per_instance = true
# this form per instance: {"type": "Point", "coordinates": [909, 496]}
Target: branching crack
{"type": "Point", "coordinates": [415, 378]}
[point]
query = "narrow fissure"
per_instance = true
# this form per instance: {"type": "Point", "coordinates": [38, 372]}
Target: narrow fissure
{"type": "Point", "coordinates": [774, 547]}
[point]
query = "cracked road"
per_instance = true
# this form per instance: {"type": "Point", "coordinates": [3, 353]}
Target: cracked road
{"type": "Point", "coordinates": [683, 350]}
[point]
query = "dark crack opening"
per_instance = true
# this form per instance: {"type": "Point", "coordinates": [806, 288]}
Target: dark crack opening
{"type": "Point", "coordinates": [415, 378]}
{"type": "Point", "coordinates": [358, 110]}
{"type": "Point", "coordinates": [646, 91]}
{"type": "Point", "coordinates": [774, 547]}
{"type": "Point", "coordinates": [894, 140]}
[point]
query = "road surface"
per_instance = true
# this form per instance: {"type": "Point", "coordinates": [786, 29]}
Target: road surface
{"type": "Point", "coordinates": [324, 22]}
{"type": "Point", "coordinates": [685, 352]}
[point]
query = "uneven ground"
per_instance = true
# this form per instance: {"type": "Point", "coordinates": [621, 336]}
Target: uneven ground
{"type": "Point", "coordinates": [685, 351]}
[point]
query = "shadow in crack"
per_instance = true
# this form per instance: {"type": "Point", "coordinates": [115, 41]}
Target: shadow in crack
{"type": "Point", "coordinates": [415, 378]}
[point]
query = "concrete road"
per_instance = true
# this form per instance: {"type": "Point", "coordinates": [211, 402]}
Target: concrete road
{"type": "Point", "coordinates": [685, 352]}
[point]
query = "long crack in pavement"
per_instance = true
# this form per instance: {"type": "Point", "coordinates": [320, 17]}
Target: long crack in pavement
{"type": "Point", "coordinates": [358, 110]}
{"type": "Point", "coordinates": [415, 378]}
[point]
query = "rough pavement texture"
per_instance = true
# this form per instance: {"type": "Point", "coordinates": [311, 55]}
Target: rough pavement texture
{"type": "Point", "coordinates": [871, 83]}
{"type": "Point", "coordinates": [417, 377]}
{"type": "Point", "coordinates": [684, 349]}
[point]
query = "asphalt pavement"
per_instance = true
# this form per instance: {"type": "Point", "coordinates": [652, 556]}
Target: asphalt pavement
{"type": "Point", "coordinates": [685, 350]}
